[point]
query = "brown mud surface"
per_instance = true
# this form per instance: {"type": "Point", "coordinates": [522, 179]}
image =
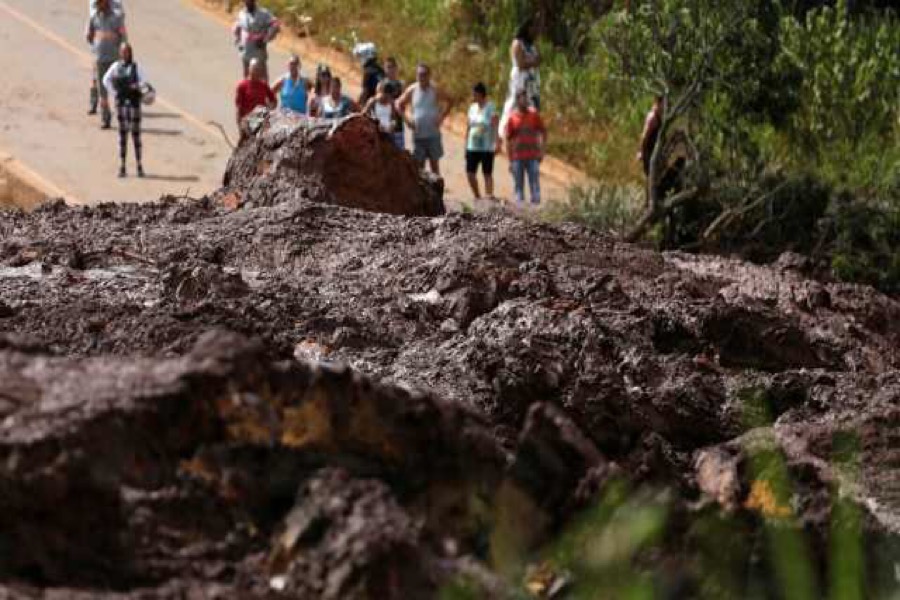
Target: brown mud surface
{"type": "Point", "coordinates": [301, 400]}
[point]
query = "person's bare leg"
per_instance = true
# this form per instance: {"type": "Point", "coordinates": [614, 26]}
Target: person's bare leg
{"type": "Point", "coordinates": [473, 183]}
{"type": "Point", "coordinates": [489, 185]}
{"type": "Point", "coordinates": [435, 166]}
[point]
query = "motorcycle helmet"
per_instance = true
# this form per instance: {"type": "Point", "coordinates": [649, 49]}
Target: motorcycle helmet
{"type": "Point", "coordinates": [148, 94]}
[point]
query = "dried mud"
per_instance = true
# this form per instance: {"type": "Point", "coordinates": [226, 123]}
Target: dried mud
{"type": "Point", "coordinates": [493, 366]}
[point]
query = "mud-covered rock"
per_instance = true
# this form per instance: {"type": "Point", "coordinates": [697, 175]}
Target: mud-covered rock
{"type": "Point", "coordinates": [349, 539]}
{"type": "Point", "coordinates": [457, 334]}
{"type": "Point", "coordinates": [349, 163]}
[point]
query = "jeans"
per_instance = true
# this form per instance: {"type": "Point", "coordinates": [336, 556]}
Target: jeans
{"type": "Point", "coordinates": [519, 168]}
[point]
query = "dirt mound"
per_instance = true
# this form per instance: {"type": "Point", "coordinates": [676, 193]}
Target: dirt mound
{"type": "Point", "coordinates": [349, 163]}
{"type": "Point", "coordinates": [552, 362]}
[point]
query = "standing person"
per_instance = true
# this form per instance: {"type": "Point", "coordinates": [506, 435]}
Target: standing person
{"type": "Point", "coordinates": [481, 140]}
{"type": "Point", "coordinates": [394, 87]}
{"type": "Point", "coordinates": [428, 116]}
{"type": "Point", "coordinates": [372, 72]}
{"type": "Point", "coordinates": [254, 29]}
{"type": "Point", "coordinates": [526, 138]}
{"type": "Point", "coordinates": [650, 135]}
{"type": "Point", "coordinates": [293, 88]}
{"type": "Point", "coordinates": [123, 82]}
{"type": "Point", "coordinates": [524, 73]}
{"type": "Point", "coordinates": [105, 32]}
{"type": "Point", "coordinates": [381, 108]}
{"type": "Point", "coordinates": [336, 105]}
{"type": "Point", "coordinates": [320, 90]}
{"type": "Point", "coordinates": [252, 92]}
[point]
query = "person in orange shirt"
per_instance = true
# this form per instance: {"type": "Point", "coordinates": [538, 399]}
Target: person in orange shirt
{"type": "Point", "coordinates": [526, 140]}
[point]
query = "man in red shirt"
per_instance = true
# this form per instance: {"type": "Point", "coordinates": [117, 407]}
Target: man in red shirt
{"type": "Point", "coordinates": [526, 138]}
{"type": "Point", "coordinates": [253, 92]}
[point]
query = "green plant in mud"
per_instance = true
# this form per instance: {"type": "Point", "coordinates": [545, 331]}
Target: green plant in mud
{"type": "Point", "coordinates": [618, 546]}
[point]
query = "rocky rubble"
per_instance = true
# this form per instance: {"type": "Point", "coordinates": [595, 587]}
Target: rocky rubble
{"type": "Point", "coordinates": [391, 390]}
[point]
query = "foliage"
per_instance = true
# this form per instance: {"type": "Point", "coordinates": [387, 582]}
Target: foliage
{"type": "Point", "coordinates": [607, 208]}
{"type": "Point", "coordinates": [866, 246]}
{"type": "Point", "coordinates": [850, 97]}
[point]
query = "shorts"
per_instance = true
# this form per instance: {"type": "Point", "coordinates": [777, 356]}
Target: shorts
{"type": "Point", "coordinates": [428, 149]}
{"type": "Point", "coordinates": [100, 69]}
{"type": "Point", "coordinates": [475, 158]}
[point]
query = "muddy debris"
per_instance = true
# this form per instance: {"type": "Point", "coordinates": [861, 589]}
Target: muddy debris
{"type": "Point", "coordinates": [350, 163]}
{"type": "Point", "coordinates": [296, 399]}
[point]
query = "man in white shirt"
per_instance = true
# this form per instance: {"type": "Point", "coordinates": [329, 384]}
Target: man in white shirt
{"type": "Point", "coordinates": [254, 29]}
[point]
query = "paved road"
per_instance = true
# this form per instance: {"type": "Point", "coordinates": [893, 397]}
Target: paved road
{"type": "Point", "coordinates": [188, 56]}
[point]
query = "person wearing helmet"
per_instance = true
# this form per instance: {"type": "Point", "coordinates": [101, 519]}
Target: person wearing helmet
{"type": "Point", "coordinates": [124, 81]}
{"type": "Point", "coordinates": [254, 29]}
{"type": "Point", "coordinates": [105, 32]}
{"type": "Point", "coordinates": [367, 53]}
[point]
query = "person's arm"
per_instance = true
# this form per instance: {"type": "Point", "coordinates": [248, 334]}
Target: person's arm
{"type": "Point", "coordinates": [645, 136]}
{"type": "Point", "coordinates": [108, 81]}
{"type": "Point", "coordinates": [401, 104]}
{"type": "Point", "coordinates": [238, 97]}
{"type": "Point", "coordinates": [271, 101]}
{"type": "Point", "coordinates": [90, 32]}
{"type": "Point", "coordinates": [369, 107]}
{"type": "Point", "coordinates": [272, 30]}
{"type": "Point", "coordinates": [448, 106]}
{"type": "Point", "coordinates": [276, 87]}
{"type": "Point", "coordinates": [495, 127]}
{"type": "Point", "coordinates": [236, 31]}
{"type": "Point", "coordinates": [543, 131]}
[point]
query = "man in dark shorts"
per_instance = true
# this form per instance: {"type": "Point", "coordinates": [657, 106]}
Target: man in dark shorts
{"type": "Point", "coordinates": [481, 140]}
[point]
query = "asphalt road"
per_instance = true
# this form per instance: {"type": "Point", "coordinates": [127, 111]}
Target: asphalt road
{"type": "Point", "coordinates": [188, 56]}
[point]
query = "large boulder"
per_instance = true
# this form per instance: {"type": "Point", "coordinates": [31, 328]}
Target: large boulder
{"type": "Point", "coordinates": [348, 162]}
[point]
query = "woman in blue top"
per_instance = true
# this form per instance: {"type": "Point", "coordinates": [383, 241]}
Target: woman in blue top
{"type": "Point", "coordinates": [293, 89]}
{"type": "Point", "coordinates": [481, 140]}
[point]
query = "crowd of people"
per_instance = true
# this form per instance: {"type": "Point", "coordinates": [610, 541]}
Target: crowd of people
{"type": "Point", "coordinates": [420, 107]}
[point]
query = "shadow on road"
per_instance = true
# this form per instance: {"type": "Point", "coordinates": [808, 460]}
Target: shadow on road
{"type": "Point", "coordinates": [156, 177]}
{"type": "Point", "coordinates": [160, 115]}
{"type": "Point", "coordinates": [160, 131]}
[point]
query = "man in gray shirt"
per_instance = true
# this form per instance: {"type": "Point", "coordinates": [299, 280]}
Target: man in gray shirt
{"type": "Point", "coordinates": [254, 29]}
{"type": "Point", "coordinates": [430, 107]}
{"type": "Point", "coordinates": [105, 33]}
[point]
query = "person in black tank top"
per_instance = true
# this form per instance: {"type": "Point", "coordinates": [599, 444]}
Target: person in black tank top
{"type": "Point", "coordinates": [124, 81]}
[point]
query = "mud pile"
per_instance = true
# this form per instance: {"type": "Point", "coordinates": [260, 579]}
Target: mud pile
{"type": "Point", "coordinates": [499, 373]}
{"type": "Point", "coordinates": [349, 163]}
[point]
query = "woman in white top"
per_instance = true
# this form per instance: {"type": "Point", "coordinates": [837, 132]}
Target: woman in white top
{"type": "Point", "coordinates": [381, 108]}
{"type": "Point", "coordinates": [524, 73]}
